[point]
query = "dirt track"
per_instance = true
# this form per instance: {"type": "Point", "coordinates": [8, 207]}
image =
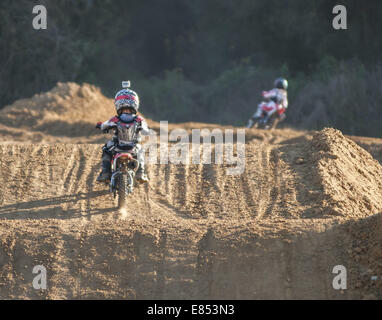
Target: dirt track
{"type": "Point", "coordinates": [307, 202]}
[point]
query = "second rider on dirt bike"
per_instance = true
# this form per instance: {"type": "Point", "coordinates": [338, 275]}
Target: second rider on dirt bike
{"type": "Point", "coordinates": [276, 100]}
{"type": "Point", "coordinates": [128, 123]}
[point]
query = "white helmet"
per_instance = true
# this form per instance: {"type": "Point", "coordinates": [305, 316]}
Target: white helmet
{"type": "Point", "coordinates": [281, 83]}
{"type": "Point", "coordinates": [126, 98]}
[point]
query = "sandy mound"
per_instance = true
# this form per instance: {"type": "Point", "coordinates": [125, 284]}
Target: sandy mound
{"type": "Point", "coordinates": [307, 201]}
{"type": "Point", "coordinates": [372, 145]}
{"type": "Point", "coordinates": [194, 232]}
{"type": "Point", "coordinates": [69, 110]}
{"type": "Point", "coordinates": [349, 177]}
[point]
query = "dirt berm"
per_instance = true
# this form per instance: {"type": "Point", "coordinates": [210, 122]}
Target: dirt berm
{"type": "Point", "coordinates": [306, 202]}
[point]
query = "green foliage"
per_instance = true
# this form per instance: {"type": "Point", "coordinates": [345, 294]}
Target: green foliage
{"type": "Point", "coordinates": [202, 60]}
{"type": "Point", "coordinates": [171, 97]}
{"type": "Point", "coordinates": [348, 98]}
{"type": "Point", "coordinates": [326, 67]}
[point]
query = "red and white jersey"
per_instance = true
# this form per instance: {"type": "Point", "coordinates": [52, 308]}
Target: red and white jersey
{"type": "Point", "coordinates": [127, 131]}
{"type": "Point", "coordinates": [279, 96]}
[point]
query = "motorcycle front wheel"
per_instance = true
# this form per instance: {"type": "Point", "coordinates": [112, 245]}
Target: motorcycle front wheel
{"type": "Point", "coordinates": [125, 187]}
{"type": "Point", "coordinates": [273, 122]}
{"type": "Point", "coordinates": [253, 123]}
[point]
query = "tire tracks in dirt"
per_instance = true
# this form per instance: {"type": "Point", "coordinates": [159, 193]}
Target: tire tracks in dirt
{"type": "Point", "coordinates": [192, 232]}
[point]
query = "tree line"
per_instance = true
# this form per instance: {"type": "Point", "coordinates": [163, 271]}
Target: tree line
{"type": "Point", "coordinates": [203, 60]}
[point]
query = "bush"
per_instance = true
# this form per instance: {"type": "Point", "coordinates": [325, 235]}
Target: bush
{"type": "Point", "coordinates": [172, 98]}
{"type": "Point", "coordinates": [348, 98]}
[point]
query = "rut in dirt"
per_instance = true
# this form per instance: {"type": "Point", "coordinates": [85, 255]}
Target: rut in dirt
{"type": "Point", "coordinates": [193, 232]}
{"type": "Point", "coordinates": [307, 201]}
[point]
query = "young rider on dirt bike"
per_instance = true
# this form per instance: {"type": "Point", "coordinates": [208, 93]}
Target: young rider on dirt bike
{"type": "Point", "coordinates": [126, 104]}
{"type": "Point", "coordinates": [275, 100]}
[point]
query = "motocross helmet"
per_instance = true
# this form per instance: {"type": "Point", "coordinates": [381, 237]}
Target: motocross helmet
{"type": "Point", "coordinates": [281, 83]}
{"type": "Point", "coordinates": [126, 98]}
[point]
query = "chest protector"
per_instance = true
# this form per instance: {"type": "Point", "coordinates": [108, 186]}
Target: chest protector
{"type": "Point", "coordinates": [127, 134]}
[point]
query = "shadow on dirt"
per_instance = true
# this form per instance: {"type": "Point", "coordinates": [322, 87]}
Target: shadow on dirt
{"type": "Point", "coordinates": [293, 266]}
{"type": "Point", "coordinates": [374, 149]}
{"type": "Point", "coordinates": [51, 208]}
{"type": "Point", "coordinates": [308, 185]}
{"type": "Point", "coordinates": [59, 128]}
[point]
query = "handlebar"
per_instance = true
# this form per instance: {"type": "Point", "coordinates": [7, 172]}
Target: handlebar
{"type": "Point", "coordinates": [98, 126]}
{"type": "Point", "coordinates": [115, 128]}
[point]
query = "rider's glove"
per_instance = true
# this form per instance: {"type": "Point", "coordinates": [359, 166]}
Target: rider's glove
{"type": "Point", "coordinates": [139, 128]}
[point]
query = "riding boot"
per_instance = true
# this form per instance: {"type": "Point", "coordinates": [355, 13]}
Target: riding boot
{"type": "Point", "coordinates": [141, 175]}
{"type": "Point", "coordinates": [105, 174]}
{"type": "Point", "coordinates": [282, 117]}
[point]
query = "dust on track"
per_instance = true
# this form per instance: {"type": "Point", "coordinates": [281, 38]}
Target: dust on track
{"type": "Point", "coordinates": [307, 201]}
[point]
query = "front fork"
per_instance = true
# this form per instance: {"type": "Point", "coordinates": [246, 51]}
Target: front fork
{"type": "Point", "coordinates": [114, 177]}
{"type": "Point", "coordinates": [113, 181]}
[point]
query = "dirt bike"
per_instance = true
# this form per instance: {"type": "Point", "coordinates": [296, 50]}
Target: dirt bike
{"type": "Point", "coordinates": [123, 168]}
{"type": "Point", "coordinates": [265, 121]}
